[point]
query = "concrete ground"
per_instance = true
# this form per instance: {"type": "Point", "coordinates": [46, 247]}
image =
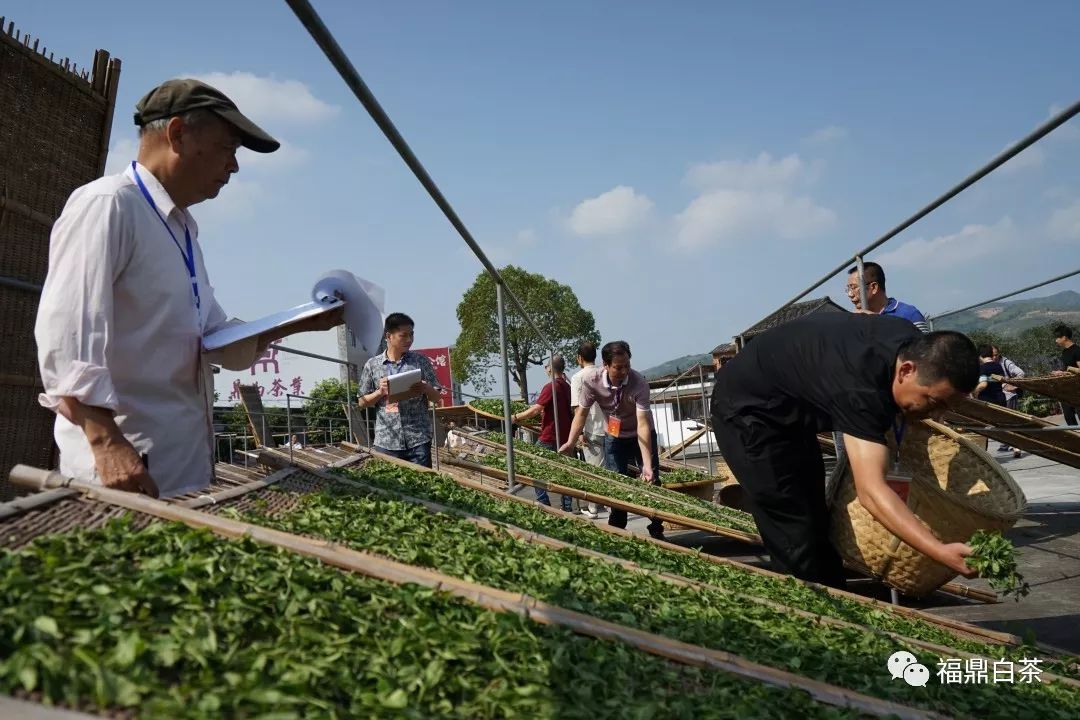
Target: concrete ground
{"type": "Point", "coordinates": [1048, 543]}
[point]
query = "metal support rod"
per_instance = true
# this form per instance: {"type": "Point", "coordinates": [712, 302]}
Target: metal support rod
{"type": "Point", "coordinates": [231, 436]}
{"type": "Point", "coordinates": [19, 284]}
{"type": "Point", "coordinates": [555, 400]}
{"type": "Point", "coordinates": [435, 435]}
{"type": "Point", "coordinates": [288, 424]}
{"type": "Point", "coordinates": [348, 402]}
{"type": "Point", "coordinates": [1006, 428]}
{"type": "Point", "coordinates": [337, 57]}
{"type": "Point", "coordinates": [508, 425]}
{"type": "Point", "coordinates": [682, 430]}
{"type": "Point", "coordinates": [863, 300]}
{"type": "Point", "coordinates": [1007, 295]}
{"type": "Point", "coordinates": [305, 353]}
{"type": "Point", "coordinates": [705, 412]}
{"type": "Point", "coordinates": [894, 597]}
{"type": "Point", "coordinates": [1003, 157]}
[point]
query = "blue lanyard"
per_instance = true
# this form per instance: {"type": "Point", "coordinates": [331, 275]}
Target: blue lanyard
{"type": "Point", "coordinates": [189, 256]}
{"type": "Point", "coordinates": [898, 433]}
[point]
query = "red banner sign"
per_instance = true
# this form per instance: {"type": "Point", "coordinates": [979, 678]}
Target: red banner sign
{"type": "Point", "coordinates": [440, 362]}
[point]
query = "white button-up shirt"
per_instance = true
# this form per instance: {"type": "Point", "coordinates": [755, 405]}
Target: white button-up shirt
{"type": "Point", "coordinates": [117, 328]}
{"type": "Point", "coordinates": [595, 426]}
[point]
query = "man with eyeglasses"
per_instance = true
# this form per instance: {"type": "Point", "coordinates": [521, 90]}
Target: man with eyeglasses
{"type": "Point", "coordinates": [877, 300]}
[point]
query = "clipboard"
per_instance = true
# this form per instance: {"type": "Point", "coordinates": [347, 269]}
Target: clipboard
{"type": "Point", "coordinates": [398, 385]}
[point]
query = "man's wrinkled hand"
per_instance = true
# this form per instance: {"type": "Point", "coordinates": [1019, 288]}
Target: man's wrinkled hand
{"type": "Point", "coordinates": [120, 468]}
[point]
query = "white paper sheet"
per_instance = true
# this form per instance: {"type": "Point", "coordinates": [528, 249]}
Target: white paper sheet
{"type": "Point", "coordinates": [363, 303]}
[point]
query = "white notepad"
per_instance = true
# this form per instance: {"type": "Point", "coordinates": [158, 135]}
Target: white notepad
{"type": "Point", "coordinates": [399, 384]}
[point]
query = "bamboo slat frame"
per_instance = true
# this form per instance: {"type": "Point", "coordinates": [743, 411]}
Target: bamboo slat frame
{"type": "Point", "coordinates": [676, 449]}
{"type": "Point", "coordinates": [529, 536]}
{"type": "Point", "coordinates": [1064, 388]}
{"type": "Point", "coordinates": [950, 625]}
{"type": "Point", "coordinates": [489, 598]}
{"type": "Point", "coordinates": [1063, 447]}
{"type": "Point", "coordinates": [629, 483]}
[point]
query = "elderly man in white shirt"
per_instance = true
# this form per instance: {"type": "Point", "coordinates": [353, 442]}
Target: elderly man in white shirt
{"type": "Point", "coordinates": [127, 301]}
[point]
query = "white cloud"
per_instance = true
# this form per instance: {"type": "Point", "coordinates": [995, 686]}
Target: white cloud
{"type": "Point", "coordinates": [728, 216]}
{"type": "Point", "coordinates": [1032, 157]}
{"type": "Point", "coordinates": [285, 157]}
{"type": "Point", "coordinates": [761, 173]}
{"type": "Point", "coordinates": [269, 100]}
{"type": "Point", "coordinates": [960, 248]}
{"type": "Point", "coordinates": [743, 201]}
{"type": "Point", "coordinates": [121, 154]}
{"type": "Point", "coordinates": [826, 135]}
{"type": "Point", "coordinates": [1064, 223]}
{"type": "Point", "coordinates": [619, 210]}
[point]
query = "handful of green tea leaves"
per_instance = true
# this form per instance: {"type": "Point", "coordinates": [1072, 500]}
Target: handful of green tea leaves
{"type": "Point", "coordinates": [994, 558]}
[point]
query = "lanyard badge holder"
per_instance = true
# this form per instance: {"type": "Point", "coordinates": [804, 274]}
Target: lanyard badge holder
{"type": "Point", "coordinates": [897, 478]}
{"type": "Point", "coordinates": [614, 422]}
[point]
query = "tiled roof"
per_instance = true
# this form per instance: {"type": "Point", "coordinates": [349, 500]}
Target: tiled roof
{"type": "Point", "coordinates": [791, 312]}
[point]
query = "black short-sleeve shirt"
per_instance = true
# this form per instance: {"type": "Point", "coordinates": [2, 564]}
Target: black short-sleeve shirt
{"type": "Point", "coordinates": [832, 371]}
{"type": "Point", "coordinates": [1070, 356]}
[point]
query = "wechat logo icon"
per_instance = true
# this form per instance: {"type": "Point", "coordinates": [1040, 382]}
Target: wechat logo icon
{"type": "Point", "coordinates": [903, 664]}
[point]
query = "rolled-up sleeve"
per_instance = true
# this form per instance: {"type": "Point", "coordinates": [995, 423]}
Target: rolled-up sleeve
{"type": "Point", "coordinates": [75, 316]}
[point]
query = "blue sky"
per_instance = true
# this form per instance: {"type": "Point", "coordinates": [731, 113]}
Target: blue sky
{"type": "Point", "coordinates": [685, 167]}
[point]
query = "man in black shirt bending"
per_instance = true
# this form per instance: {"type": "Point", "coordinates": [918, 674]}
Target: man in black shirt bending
{"type": "Point", "coordinates": [1070, 358]}
{"type": "Point", "coordinates": [851, 373]}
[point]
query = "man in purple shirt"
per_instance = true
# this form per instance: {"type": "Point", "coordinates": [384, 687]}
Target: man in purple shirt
{"type": "Point", "coordinates": [877, 300]}
{"type": "Point", "coordinates": [623, 397]}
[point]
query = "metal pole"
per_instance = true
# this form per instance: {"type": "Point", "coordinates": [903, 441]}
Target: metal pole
{"type": "Point", "coordinates": [435, 435]}
{"type": "Point", "coordinates": [231, 436]}
{"type": "Point", "coordinates": [337, 57]}
{"type": "Point", "coordinates": [288, 424]}
{"type": "Point", "coordinates": [862, 284]}
{"type": "Point", "coordinates": [348, 401]}
{"type": "Point", "coordinates": [1007, 295]}
{"type": "Point", "coordinates": [705, 412]}
{"type": "Point", "coordinates": [554, 401]}
{"type": "Point", "coordinates": [682, 430]}
{"type": "Point", "coordinates": [507, 422]}
{"type": "Point", "coordinates": [1003, 157]}
{"type": "Point", "coordinates": [245, 450]}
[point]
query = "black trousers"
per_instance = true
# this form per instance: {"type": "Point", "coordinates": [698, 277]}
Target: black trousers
{"type": "Point", "coordinates": [1070, 414]}
{"type": "Point", "coordinates": [782, 475]}
{"type": "Point", "coordinates": [618, 454]}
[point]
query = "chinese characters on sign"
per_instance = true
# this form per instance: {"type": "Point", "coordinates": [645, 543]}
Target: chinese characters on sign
{"type": "Point", "coordinates": [970, 671]}
{"type": "Point", "coordinates": [277, 386]}
{"type": "Point", "coordinates": [440, 363]}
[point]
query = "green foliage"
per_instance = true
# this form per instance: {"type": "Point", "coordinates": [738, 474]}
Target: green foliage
{"type": "Point", "coordinates": [554, 308]}
{"type": "Point", "coordinates": [850, 657]}
{"type": "Point", "coordinates": [177, 623]}
{"type": "Point", "coordinates": [326, 402]}
{"type": "Point", "coordinates": [994, 557]}
{"type": "Point", "coordinates": [443, 490]}
{"type": "Point", "coordinates": [494, 406]}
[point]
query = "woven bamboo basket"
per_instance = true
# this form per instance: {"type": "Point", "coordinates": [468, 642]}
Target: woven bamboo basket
{"type": "Point", "coordinates": [1065, 388]}
{"type": "Point", "coordinates": [956, 489]}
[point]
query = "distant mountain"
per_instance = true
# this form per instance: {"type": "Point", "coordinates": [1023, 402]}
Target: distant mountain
{"type": "Point", "coordinates": [1015, 316]}
{"type": "Point", "coordinates": [677, 365]}
{"type": "Point", "coordinates": [1003, 318]}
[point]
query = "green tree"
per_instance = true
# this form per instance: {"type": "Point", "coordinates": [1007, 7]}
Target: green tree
{"type": "Point", "coordinates": [326, 404]}
{"type": "Point", "coordinates": [552, 306]}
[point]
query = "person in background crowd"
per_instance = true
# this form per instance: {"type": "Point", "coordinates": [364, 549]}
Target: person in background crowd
{"type": "Point", "coordinates": [127, 301]}
{"type": "Point", "coordinates": [878, 302]}
{"type": "Point", "coordinates": [592, 434]}
{"type": "Point", "coordinates": [403, 427]}
{"type": "Point", "coordinates": [623, 396]}
{"type": "Point", "coordinates": [1070, 358]}
{"type": "Point", "coordinates": [1012, 393]}
{"type": "Point", "coordinates": [547, 405]}
{"type": "Point", "coordinates": [989, 390]}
